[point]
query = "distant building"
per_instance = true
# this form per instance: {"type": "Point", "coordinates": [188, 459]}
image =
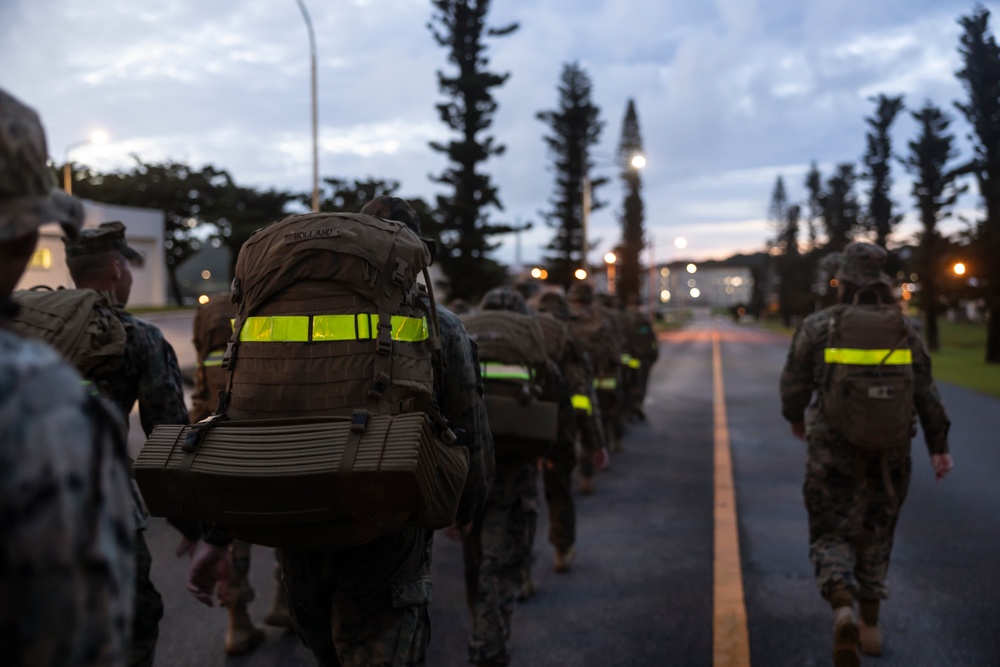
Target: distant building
{"type": "Point", "coordinates": [685, 284]}
{"type": "Point", "coordinates": [144, 231]}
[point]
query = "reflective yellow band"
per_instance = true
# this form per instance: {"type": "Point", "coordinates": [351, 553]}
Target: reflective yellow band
{"type": "Point", "coordinates": [852, 357]}
{"type": "Point", "coordinates": [295, 328]}
{"type": "Point", "coordinates": [214, 358]}
{"type": "Point", "coordinates": [625, 359]}
{"type": "Point", "coordinates": [634, 363]}
{"type": "Point", "coordinates": [582, 402]}
{"type": "Point", "coordinates": [498, 371]}
{"type": "Point", "coordinates": [606, 383]}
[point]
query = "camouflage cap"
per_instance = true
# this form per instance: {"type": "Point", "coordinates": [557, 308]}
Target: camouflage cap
{"type": "Point", "coordinates": [552, 302]}
{"type": "Point", "coordinates": [504, 298]}
{"type": "Point", "coordinates": [28, 196]}
{"type": "Point", "coordinates": [393, 208]}
{"type": "Point", "coordinates": [107, 236]}
{"type": "Point", "coordinates": [861, 264]}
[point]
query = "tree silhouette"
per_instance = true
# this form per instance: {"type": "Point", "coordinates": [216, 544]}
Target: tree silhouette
{"type": "Point", "coordinates": [632, 214]}
{"type": "Point", "coordinates": [878, 161]}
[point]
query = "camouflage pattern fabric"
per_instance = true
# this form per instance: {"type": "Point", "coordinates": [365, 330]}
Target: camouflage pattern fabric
{"type": "Point", "coordinates": [151, 376]}
{"type": "Point", "coordinates": [496, 552]}
{"type": "Point", "coordinates": [66, 587]}
{"type": "Point", "coordinates": [366, 605]}
{"type": "Point", "coordinates": [853, 497]}
{"type": "Point", "coordinates": [377, 594]}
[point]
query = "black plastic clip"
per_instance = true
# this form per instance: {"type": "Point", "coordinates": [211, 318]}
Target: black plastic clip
{"type": "Point", "coordinates": [359, 421]}
{"type": "Point", "coordinates": [192, 439]}
{"type": "Point", "coordinates": [379, 386]}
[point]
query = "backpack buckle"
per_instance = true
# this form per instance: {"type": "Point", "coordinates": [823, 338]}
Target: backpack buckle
{"type": "Point", "coordinates": [379, 386]}
{"type": "Point", "coordinates": [399, 275]}
{"type": "Point", "coordinates": [229, 356]}
{"type": "Point", "coordinates": [384, 339]}
{"type": "Point", "coordinates": [359, 421]}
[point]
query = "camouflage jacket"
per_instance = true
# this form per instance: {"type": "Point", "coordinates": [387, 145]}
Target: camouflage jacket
{"type": "Point", "coordinates": [459, 393]}
{"type": "Point", "coordinates": [149, 375]}
{"type": "Point", "coordinates": [805, 368]}
{"type": "Point", "coordinates": [67, 566]}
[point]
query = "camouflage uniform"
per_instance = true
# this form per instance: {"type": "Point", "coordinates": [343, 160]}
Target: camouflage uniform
{"type": "Point", "coordinates": [604, 351]}
{"type": "Point", "coordinates": [65, 533]}
{"type": "Point", "coordinates": [150, 375]}
{"type": "Point", "coordinates": [497, 547]}
{"type": "Point", "coordinates": [853, 496]}
{"type": "Point", "coordinates": [645, 348]}
{"type": "Point", "coordinates": [367, 605]}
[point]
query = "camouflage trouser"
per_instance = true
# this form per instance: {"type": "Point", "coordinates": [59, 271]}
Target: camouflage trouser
{"type": "Point", "coordinates": [852, 515]}
{"type": "Point", "coordinates": [240, 590]}
{"type": "Point", "coordinates": [612, 421]}
{"type": "Point", "coordinates": [496, 551]}
{"type": "Point", "coordinates": [591, 436]}
{"type": "Point", "coordinates": [148, 609]}
{"type": "Point", "coordinates": [366, 605]}
{"type": "Point", "coordinates": [557, 477]}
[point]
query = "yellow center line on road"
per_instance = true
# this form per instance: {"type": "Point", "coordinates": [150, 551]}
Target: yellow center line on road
{"type": "Point", "coordinates": [730, 638]}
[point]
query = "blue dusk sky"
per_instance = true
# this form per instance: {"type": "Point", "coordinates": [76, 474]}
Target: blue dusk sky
{"type": "Point", "coordinates": [730, 94]}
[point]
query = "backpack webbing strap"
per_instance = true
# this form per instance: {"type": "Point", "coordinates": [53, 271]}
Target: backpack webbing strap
{"type": "Point", "coordinates": [350, 493]}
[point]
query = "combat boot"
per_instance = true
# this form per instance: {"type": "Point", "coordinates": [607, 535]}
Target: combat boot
{"type": "Point", "coordinates": [563, 559]}
{"type": "Point", "coordinates": [586, 485]}
{"type": "Point", "coordinates": [871, 637]}
{"type": "Point", "coordinates": [278, 615]}
{"type": "Point", "coordinates": [241, 635]}
{"type": "Point", "coordinates": [845, 638]}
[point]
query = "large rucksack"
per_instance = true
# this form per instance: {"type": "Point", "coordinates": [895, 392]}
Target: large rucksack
{"type": "Point", "coordinates": [81, 324]}
{"type": "Point", "coordinates": [329, 435]}
{"type": "Point", "coordinates": [520, 403]}
{"type": "Point", "coordinates": [867, 388]}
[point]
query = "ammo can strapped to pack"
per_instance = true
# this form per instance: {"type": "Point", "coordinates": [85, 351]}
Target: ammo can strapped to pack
{"type": "Point", "coordinates": [867, 390]}
{"type": "Point", "coordinates": [524, 423]}
{"type": "Point", "coordinates": [332, 337]}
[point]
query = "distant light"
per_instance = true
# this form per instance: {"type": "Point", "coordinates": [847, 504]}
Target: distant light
{"type": "Point", "coordinates": [536, 272]}
{"type": "Point", "coordinates": [98, 137]}
{"type": "Point", "coordinates": [206, 274]}
{"type": "Point", "coordinates": [691, 268]}
{"type": "Point", "coordinates": [680, 242]}
{"type": "Point", "coordinates": [692, 282]}
{"type": "Point", "coordinates": [638, 161]}
{"type": "Point", "coordinates": [203, 299]}
{"type": "Point", "coordinates": [737, 281]}
{"type": "Point", "coordinates": [544, 274]}
{"type": "Point", "coordinates": [695, 292]}
{"type": "Point", "coordinates": [665, 296]}
{"type": "Point", "coordinates": [959, 269]}
{"type": "Point", "coordinates": [913, 277]}
{"type": "Point", "coordinates": [664, 272]}
{"type": "Point", "coordinates": [580, 274]}
{"type": "Point", "coordinates": [610, 258]}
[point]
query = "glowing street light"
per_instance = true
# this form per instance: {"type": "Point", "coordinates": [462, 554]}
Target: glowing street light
{"type": "Point", "coordinates": [637, 162]}
{"type": "Point", "coordinates": [959, 269]}
{"type": "Point", "coordinates": [680, 242]}
{"type": "Point", "coordinates": [96, 138]}
{"type": "Point", "coordinates": [610, 260]}
{"type": "Point", "coordinates": [580, 274]}
{"type": "Point", "coordinates": [692, 268]}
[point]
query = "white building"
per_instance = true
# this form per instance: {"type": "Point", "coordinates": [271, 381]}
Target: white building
{"type": "Point", "coordinates": [144, 229]}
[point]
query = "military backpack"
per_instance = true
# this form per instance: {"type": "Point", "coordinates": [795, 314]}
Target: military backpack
{"type": "Point", "coordinates": [328, 435]}
{"type": "Point", "coordinates": [867, 388]}
{"type": "Point", "coordinates": [81, 324]}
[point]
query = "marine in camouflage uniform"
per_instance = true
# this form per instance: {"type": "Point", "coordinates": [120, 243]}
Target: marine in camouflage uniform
{"type": "Point", "coordinates": [497, 547]}
{"type": "Point", "coordinates": [100, 259]}
{"type": "Point", "coordinates": [853, 496]}
{"type": "Point", "coordinates": [645, 349]}
{"type": "Point", "coordinates": [367, 605]}
{"type": "Point", "coordinates": [65, 533]}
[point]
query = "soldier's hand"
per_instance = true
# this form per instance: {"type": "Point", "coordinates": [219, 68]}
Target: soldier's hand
{"type": "Point", "coordinates": [185, 547]}
{"type": "Point", "coordinates": [601, 459]}
{"type": "Point", "coordinates": [942, 465]}
{"type": "Point", "coordinates": [799, 430]}
{"type": "Point", "coordinates": [209, 567]}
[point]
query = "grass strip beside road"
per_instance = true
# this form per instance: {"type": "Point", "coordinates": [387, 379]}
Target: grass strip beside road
{"type": "Point", "coordinates": [730, 636]}
{"type": "Point", "coordinates": [961, 359]}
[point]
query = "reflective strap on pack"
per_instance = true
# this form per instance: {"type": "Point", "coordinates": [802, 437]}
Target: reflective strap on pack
{"type": "Point", "coordinates": [854, 357]}
{"type": "Point", "coordinates": [630, 361]}
{"type": "Point", "coordinates": [296, 328]}
{"type": "Point", "coordinates": [498, 371]}
{"type": "Point", "coordinates": [582, 402]}
{"type": "Point", "coordinates": [606, 383]}
{"type": "Point", "coordinates": [214, 358]}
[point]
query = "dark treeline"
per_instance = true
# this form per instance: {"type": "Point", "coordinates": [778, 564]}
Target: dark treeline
{"type": "Point", "coordinates": [833, 214]}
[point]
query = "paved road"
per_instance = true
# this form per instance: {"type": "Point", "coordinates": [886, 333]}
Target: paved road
{"type": "Point", "coordinates": [640, 592]}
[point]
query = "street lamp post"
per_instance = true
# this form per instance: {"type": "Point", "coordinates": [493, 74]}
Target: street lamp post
{"type": "Point", "coordinates": [315, 112]}
{"type": "Point", "coordinates": [637, 163]}
{"type": "Point", "coordinates": [610, 260]}
{"type": "Point", "coordinates": [97, 137]}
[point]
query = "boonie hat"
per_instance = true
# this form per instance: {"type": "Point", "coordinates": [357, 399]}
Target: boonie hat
{"type": "Point", "coordinates": [107, 236]}
{"type": "Point", "coordinates": [28, 195]}
{"type": "Point", "coordinates": [861, 264]}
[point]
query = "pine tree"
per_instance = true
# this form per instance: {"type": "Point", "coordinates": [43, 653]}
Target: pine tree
{"type": "Point", "coordinates": [840, 207]}
{"type": "Point", "coordinates": [935, 191]}
{"type": "Point", "coordinates": [629, 268]}
{"type": "Point", "coordinates": [462, 214]}
{"type": "Point", "coordinates": [776, 210]}
{"type": "Point", "coordinates": [575, 127]}
{"type": "Point", "coordinates": [980, 75]}
{"type": "Point", "coordinates": [877, 161]}
{"type": "Point", "coordinates": [814, 186]}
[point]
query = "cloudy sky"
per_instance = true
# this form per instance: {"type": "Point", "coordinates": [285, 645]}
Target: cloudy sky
{"type": "Point", "coordinates": [730, 94]}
